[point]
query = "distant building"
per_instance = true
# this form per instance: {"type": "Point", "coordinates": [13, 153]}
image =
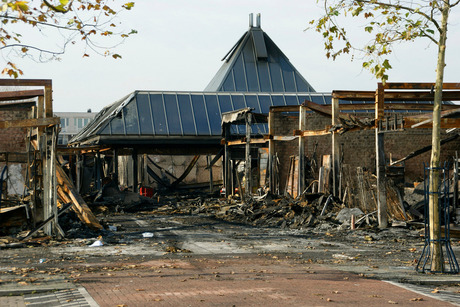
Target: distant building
{"type": "Point", "coordinates": [72, 123]}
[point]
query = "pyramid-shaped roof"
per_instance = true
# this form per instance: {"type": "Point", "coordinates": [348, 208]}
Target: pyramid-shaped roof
{"type": "Point", "coordinates": [256, 64]}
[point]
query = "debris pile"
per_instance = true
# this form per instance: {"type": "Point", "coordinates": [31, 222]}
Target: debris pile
{"type": "Point", "coordinates": [312, 210]}
{"type": "Point", "coordinates": [283, 212]}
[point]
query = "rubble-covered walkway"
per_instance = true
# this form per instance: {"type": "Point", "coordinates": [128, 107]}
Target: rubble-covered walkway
{"type": "Point", "coordinates": [150, 259]}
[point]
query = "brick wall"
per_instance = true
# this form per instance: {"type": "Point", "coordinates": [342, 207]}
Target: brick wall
{"type": "Point", "coordinates": [358, 146]}
{"type": "Point", "coordinates": [13, 139]}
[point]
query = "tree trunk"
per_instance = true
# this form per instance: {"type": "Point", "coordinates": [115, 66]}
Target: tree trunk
{"type": "Point", "coordinates": [435, 227]}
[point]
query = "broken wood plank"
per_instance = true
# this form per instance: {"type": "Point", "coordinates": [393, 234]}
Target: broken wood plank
{"type": "Point", "coordinates": [84, 212]}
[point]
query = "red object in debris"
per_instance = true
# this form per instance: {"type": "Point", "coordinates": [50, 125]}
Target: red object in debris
{"type": "Point", "coordinates": [146, 191]}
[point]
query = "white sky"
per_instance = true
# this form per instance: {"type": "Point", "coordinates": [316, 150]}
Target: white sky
{"type": "Point", "coordinates": [181, 42]}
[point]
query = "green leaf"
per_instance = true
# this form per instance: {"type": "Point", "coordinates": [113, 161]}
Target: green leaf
{"type": "Point", "coordinates": [386, 64]}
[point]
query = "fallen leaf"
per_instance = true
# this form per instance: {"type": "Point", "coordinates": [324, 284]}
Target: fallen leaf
{"type": "Point", "coordinates": [140, 289]}
{"type": "Point", "coordinates": [435, 291]}
{"type": "Point", "coordinates": [392, 302]}
{"type": "Point", "coordinates": [329, 300]}
{"type": "Point", "coordinates": [416, 299]}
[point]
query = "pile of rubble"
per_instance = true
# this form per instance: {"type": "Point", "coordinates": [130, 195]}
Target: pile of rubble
{"type": "Point", "coordinates": [312, 210]}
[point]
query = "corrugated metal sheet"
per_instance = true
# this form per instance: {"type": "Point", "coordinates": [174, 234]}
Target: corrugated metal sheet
{"type": "Point", "coordinates": [256, 64]}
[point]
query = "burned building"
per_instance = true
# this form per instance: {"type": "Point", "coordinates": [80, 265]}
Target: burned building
{"type": "Point", "coordinates": [256, 74]}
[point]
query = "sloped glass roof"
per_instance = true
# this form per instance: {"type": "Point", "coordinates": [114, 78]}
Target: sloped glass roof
{"type": "Point", "coordinates": [256, 64]}
{"type": "Point", "coordinates": [182, 114]}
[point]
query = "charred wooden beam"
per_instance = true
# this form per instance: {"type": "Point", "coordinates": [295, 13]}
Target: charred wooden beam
{"type": "Point", "coordinates": [243, 142]}
{"type": "Point", "coordinates": [419, 85]}
{"type": "Point", "coordinates": [80, 150]}
{"type": "Point", "coordinates": [31, 122]}
{"type": "Point", "coordinates": [20, 95]}
{"type": "Point", "coordinates": [312, 132]}
{"type": "Point", "coordinates": [395, 96]}
{"type": "Point", "coordinates": [395, 106]}
{"type": "Point", "coordinates": [284, 109]}
{"type": "Point", "coordinates": [13, 157]}
{"type": "Point", "coordinates": [446, 123]}
{"type": "Point", "coordinates": [25, 82]}
{"type": "Point", "coordinates": [215, 159]}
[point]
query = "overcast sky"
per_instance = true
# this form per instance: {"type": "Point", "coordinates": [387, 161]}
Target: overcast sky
{"type": "Point", "coordinates": [181, 42]}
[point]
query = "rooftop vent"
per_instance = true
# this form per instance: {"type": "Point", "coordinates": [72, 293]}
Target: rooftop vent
{"type": "Point", "coordinates": [251, 20]}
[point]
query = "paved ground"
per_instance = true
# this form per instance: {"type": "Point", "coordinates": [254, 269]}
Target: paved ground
{"type": "Point", "coordinates": [243, 281]}
{"type": "Point", "coordinates": [200, 261]}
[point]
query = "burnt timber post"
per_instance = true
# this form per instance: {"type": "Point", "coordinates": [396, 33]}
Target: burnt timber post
{"type": "Point", "coordinates": [380, 158]}
{"type": "Point", "coordinates": [227, 165]}
{"type": "Point", "coordinates": [335, 148]}
{"type": "Point", "coordinates": [211, 181]}
{"type": "Point", "coordinates": [97, 173]}
{"type": "Point", "coordinates": [78, 170]}
{"type": "Point", "coordinates": [49, 160]}
{"type": "Point", "coordinates": [135, 171]}
{"type": "Point", "coordinates": [247, 170]}
{"type": "Point", "coordinates": [115, 165]}
{"type": "Point", "coordinates": [302, 127]}
{"type": "Point", "coordinates": [271, 149]}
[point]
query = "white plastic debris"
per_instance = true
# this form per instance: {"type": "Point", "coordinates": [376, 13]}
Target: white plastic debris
{"type": "Point", "coordinates": [342, 257]}
{"type": "Point", "coordinates": [112, 228]}
{"type": "Point", "coordinates": [147, 235]}
{"type": "Point", "coordinates": [96, 243]}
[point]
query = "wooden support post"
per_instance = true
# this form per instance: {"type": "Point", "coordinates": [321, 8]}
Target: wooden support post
{"type": "Point", "coordinates": [78, 171]}
{"type": "Point", "coordinates": [48, 100]}
{"type": "Point", "coordinates": [271, 152]}
{"type": "Point", "coordinates": [115, 165]}
{"type": "Point", "coordinates": [135, 171]}
{"type": "Point", "coordinates": [144, 173]}
{"type": "Point", "coordinates": [98, 172]}
{"type": "Point", "coordinates": [380, 159]}
{"type": "Point", "coordinates": [247, 170]}
{"type": "Point", "coordinates": [228, 174]}
{"type": "Point", "coordinates": [455, 204]}
{"type": "Point", "coordinates": [211, 181]}
{"type": "Point", "coordinates": [49, 181]}
{"type": "Point", "coordinates": [335, 149]}
{"type": "Point", "coordinates": [302, 127]}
